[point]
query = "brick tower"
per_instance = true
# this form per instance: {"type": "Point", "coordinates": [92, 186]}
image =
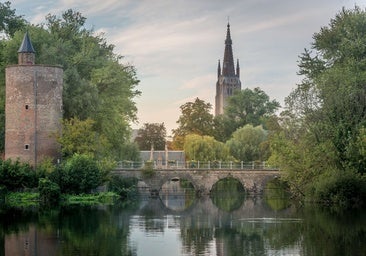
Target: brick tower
{"type": "Point", "coordinates": [33, 108]}
{"type": "Point", "coordinates": [227, 80]}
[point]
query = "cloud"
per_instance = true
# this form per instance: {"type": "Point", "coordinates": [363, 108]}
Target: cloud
{"type": "Point", "coordinates": [175, 45]}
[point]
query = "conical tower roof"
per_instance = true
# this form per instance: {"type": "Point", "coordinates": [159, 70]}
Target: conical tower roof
{"type": "Point", "coordinates": [228, 68]}
{"type": "Point", "coordinates": [26, 46]}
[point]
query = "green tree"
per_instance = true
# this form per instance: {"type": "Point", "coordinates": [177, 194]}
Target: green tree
{"type": "Point", "coordinates": [244, 107]}
{"type": "Point", "coordinates": [195, 119]}
{"type": "Point", "coordinates": [96, 83]}
{"type": "Point", "coordinates": [151, 135]}
{"type": "Point", "coordinates": [79, 137]}
{"type": "Point", "coordinates": [79, 174]}
{"type": "Point", "coordinates": [205, 148]}
{"type": "Point", "coordinates": [249, 144]}
{"type": "Point", "coordinates": [323, 125]}
{"type": "Point", "coordinates": [15, 175]}
{"type": "Point", "coordinates": [9, 21]}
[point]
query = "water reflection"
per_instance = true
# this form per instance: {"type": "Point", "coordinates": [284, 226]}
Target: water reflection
{"type": "Point", "coordinates": [177, 194]}
{"type": "Point", "coordinates": [228, 194]}
{"type": "Point", "coordinates": [154, 227]}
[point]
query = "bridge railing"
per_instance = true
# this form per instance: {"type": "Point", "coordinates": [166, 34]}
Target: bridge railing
{"type": "Point", "coordinates": [255, 165]}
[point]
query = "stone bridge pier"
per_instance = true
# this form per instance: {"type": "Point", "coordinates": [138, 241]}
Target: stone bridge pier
{"type": "Point", "coordinates": [253, 181]}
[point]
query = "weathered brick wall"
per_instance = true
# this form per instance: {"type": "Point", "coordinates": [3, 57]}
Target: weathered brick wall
{"type": "Point", "coordinates": [33, 111]}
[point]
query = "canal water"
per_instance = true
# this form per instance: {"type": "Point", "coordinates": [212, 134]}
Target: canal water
{"type": "Point", "coordinates": [177, 223]}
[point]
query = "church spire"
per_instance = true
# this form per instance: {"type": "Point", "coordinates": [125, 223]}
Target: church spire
{"type": "Point", "coordinates": [228, 63]}
{"type": "Point", "coordinates": [228, 76]}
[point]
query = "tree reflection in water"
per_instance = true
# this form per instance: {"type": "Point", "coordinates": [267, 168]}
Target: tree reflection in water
{"type": "Point", "coordinates": [256, 226]}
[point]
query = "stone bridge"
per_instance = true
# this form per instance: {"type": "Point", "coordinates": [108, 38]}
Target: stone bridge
{"type": "Point", "coordinates": [253, 181]}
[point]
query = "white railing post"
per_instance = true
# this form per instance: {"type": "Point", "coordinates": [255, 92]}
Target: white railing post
{"type": "Point", "coordinates": [198, 164]}
{"type": "Point", "coordinates": [208, 164]}
{"type": "Point", "coordinates": [231, 165]}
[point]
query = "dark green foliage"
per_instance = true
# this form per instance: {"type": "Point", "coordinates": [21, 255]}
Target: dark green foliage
{"type": "Point", "coordinates": [17, 175]}
{"type": "Point", "coordinates": [9, 22]}
{"type": "Point", "coordinates": [322, 140]}
{"type": "Point", "coordinates": [124, 187]}
{"type": "Point", "coordinates": [49, 192]}
{"type": "Point", "coordinates": [80, 174]}
{"type": "Point", "coordinates": [346, 189]}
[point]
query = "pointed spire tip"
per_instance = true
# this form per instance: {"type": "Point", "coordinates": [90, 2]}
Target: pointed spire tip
{"type": "Point", "coordinates": [26, 46]}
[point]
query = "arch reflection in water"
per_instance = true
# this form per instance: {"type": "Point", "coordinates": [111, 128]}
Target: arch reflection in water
{"type": "Point", "coordinates": [177, 194]}
{"type": "Point", "coordinates": [228, 194]}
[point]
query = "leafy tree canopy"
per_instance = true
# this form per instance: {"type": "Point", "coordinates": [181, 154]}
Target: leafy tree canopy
{"type": "Point", "coordinates": [244, 107]}
{"type": "Point", "coordinates": [97, 85]}
{"type": "Point", "coordinates": [195, 119]}
{"type": "Point", "coordinates": [323, 127]}
{"type": "Point", "coordinates": [248, 144]}
{"type": "Point", "coordinates": [79, 137]}
{"type": "Point", "coordinates": [205, 148]}
{"type": "Point", "coordinates": [332, 97]}
{"type": "Point", "coordinates": [9, 21]}
{"type": "Point", "coordinates": [151, 136]}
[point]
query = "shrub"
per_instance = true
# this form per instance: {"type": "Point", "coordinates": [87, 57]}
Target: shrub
{"type": "Point", "coordinates": [49, 192]}
{"type": "Point", "coordinates": [80, 174]}
{"type": "Point", "coordinates": [124, 187]}
{"type": "Point", "coordinates": [17, 175]}
{"type": "Point", "coordinates": [346, 189]}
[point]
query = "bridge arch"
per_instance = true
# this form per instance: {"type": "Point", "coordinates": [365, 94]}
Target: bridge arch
{"type": "Point", "coordinates": [253, 181]}
{"type": "Point", "coordinates": [227, 178]}
{"type": "Point", "coordinates": [175, 176]}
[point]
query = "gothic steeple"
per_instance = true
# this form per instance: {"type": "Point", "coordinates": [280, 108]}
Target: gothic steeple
{"type": "Point", "coordinates": [228, 79]}
{"type": "Point", "coordinates": [228, 63]}
{"type": "Point", "coordinates": [26, 52]}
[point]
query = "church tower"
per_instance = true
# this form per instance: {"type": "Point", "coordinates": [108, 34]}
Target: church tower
{"type": "Point", "coordinates": [228, 78]}
{"type": "Point", "coordinates": [33, 108]}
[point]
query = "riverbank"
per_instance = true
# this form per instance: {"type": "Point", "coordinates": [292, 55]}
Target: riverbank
{"type": "Point", "coordinates": [27, 199]}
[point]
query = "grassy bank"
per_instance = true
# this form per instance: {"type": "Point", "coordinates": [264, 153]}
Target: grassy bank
{"type": "Point", "coordinates": [26, 199]}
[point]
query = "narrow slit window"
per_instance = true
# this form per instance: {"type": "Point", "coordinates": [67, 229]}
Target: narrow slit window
{"type": "Point", "coordinates": [27, 106]}
{"type": "Point", "coordinates": [26, 146]}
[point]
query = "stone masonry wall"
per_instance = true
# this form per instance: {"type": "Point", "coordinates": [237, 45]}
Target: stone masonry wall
{"type": "Point", "coordinates": [33, 112]}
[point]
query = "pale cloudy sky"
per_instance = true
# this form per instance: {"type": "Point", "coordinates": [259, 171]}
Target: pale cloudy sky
{"type": "Point", "coordinates": [175, 44]}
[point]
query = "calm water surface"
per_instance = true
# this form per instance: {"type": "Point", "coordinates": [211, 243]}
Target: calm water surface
{"type": "Point", "coordinates": [179, 224]}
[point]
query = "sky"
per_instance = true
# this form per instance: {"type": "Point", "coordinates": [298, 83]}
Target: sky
{"type": "Point", "coordinates": [175, 45]}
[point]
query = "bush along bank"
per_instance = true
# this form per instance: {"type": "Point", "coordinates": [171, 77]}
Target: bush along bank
{"type": "Point", "coordinates": [69, 183]}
